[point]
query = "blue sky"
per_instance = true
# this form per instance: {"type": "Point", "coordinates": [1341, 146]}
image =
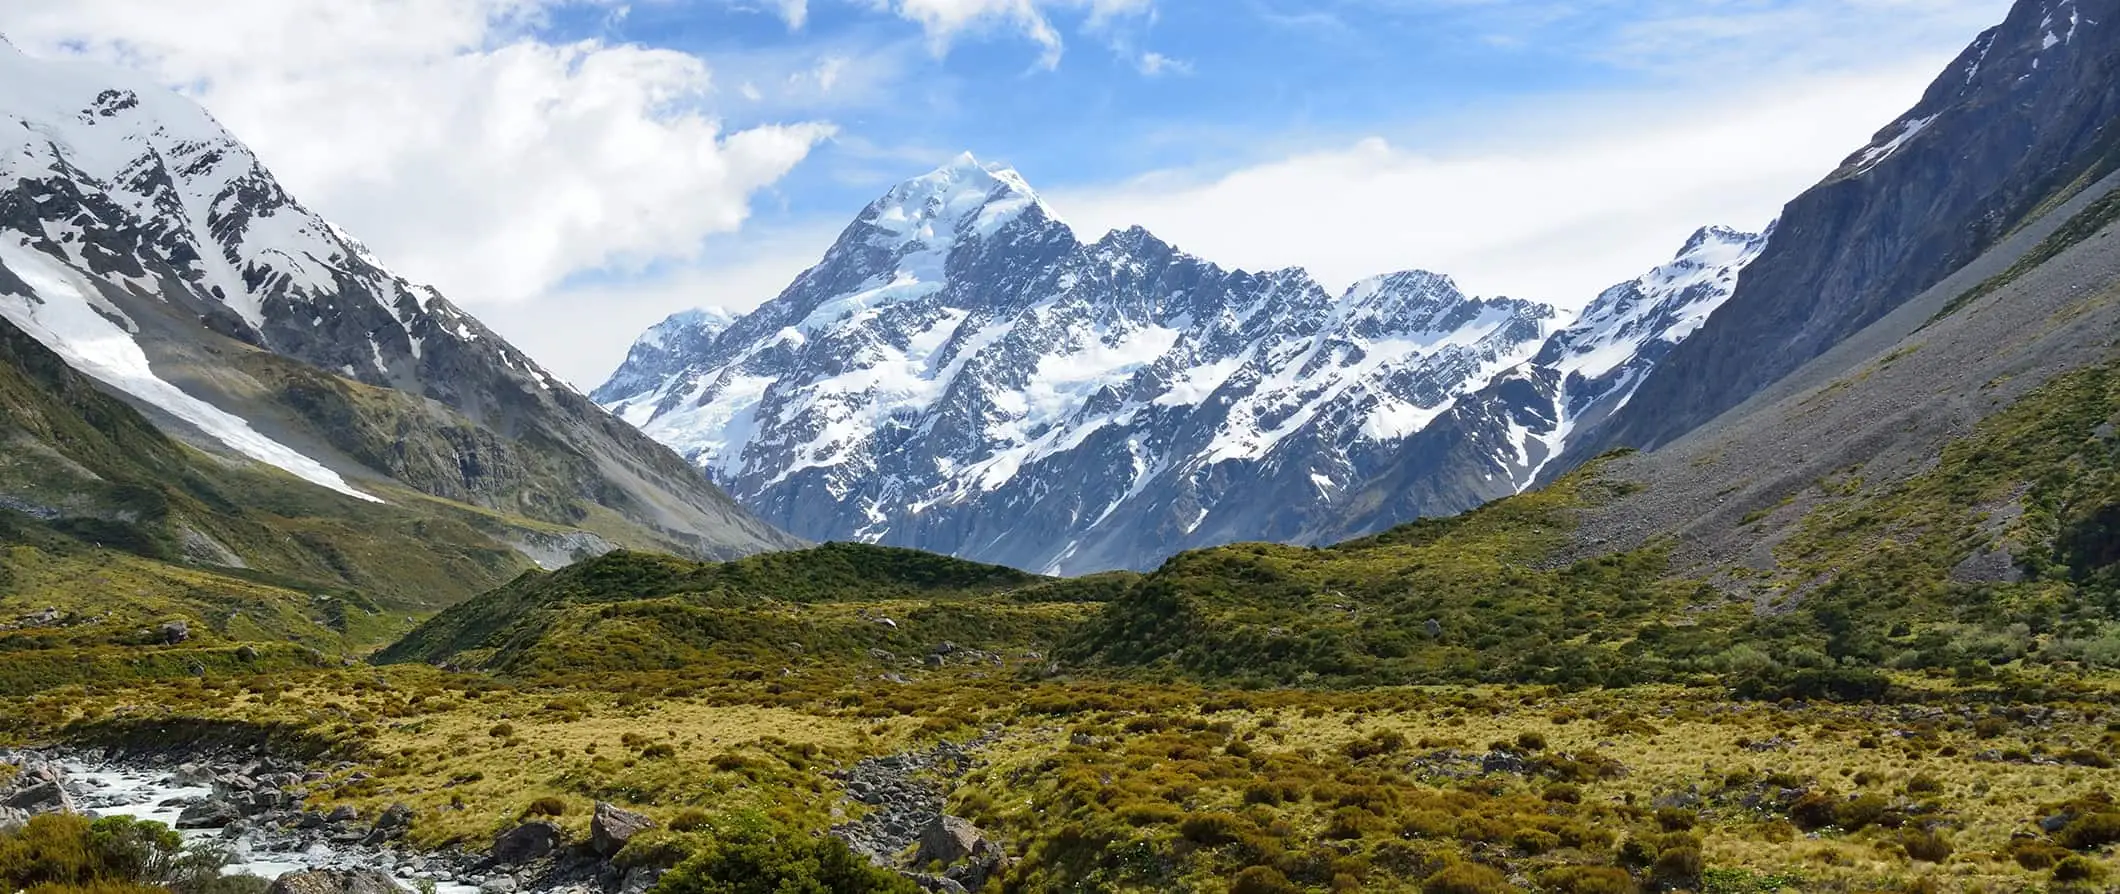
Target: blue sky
{"type": "Point", "coordinates": [572, 170]}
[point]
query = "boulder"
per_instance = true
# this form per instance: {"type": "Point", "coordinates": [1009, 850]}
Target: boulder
{"type": "Point", "coordinates": [947, 840]}
{"type": "Point", "coordinates": [392, 824]}
{"type": "Point", "coordinates": [612, 827]}
{"type": "Point", "coordinates": [499, 884]}
{"type": "Point", "coordinates": [41, 797]}
{"type": "Point", "coordinates": [208, 814]}
{"type": "Point", "coordinates": [335, 881]}
{"type": "Point", "coordinates": [175, 632]}
{"type": "Point", "coordinates": [525, 843]}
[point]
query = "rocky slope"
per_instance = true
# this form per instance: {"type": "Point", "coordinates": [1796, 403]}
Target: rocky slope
{"type": "Point", "coordinates": [2026, 115]}
{"type": "Point", "coordinates": [962, 374]}
{"type": "Point", "coordinates": [1502, 438]}
{"type": "Point", "coordinates": [150, 250]}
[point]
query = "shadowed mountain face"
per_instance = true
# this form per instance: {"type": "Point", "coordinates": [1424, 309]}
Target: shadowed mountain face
{"type": "Point", "coordinates": [2025, 114]}
{"type": "Point", "coordinates": [148, 248]}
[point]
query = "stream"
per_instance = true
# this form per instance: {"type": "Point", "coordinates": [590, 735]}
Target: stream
{"type": "Point", "coordinates": [156, 794]}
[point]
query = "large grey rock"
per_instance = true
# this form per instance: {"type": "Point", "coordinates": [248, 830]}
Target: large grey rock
{"type": "Point", "coordinates": [526, 842]}
{"type": "Point", "coordinates": [42, 797]}
{"type": "Point", "coordinates": [212, 813]}
{"type": "Point", "coordinates": [175, 632]}
{"type": "Point", "coordinates": [970, 857]}
{"type": "Point", "coordinates": [612, 827]}
{"type": "Point", "coordinates": [335, 881]}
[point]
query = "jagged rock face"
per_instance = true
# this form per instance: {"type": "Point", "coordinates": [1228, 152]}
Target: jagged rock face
{"type": "Point", "coordinates": [961, 374]}
{"type": "Point", "coordinates": [2026, 111]}
{"type": "Point", "coordinates": [1506, 437]}
{"type": "Point", "coordinates": [138, 240]}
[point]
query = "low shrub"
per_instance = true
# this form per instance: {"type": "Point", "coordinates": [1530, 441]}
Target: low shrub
{"type": "Point", "coordinates": [1926, 845]}
{"type": "Point", "coordinates": [753, 857]}
{"type": "Point", "coordinates": [2090, 831]}
{"type": "Point", "coordinates": [1466, 878]}
{"type": "Point", "coordinates": [2078, 868]}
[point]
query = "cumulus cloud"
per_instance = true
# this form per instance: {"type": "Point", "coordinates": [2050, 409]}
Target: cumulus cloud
{"type": "Point", "coordinates": [1583, 192]}
{"type": "Point", "coordinates": [464, 149]}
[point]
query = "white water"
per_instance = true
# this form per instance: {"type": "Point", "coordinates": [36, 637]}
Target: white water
{"type": "Point", "coordinates": [138, 793]}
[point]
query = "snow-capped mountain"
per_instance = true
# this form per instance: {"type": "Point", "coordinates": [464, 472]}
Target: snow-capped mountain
{"type": "Point", "coordinates": [150, 249]}
{"type": "Point", "coordinates": [961, 374]}
{"type": "Point", "coordinates": [1512, 433]}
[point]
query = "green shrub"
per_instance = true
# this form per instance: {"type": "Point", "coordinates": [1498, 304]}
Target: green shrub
{"type": "Point", "coordinates": [1674, 819]}
{"type": "Point", "coordinates": [1588, 880]}
{"type": "Point", "coordinates": [546, 806]}
{"type": "Point", "coordinates": [1466, 878]}
{"type": "Point", "coordinates": [1211, 828]}
{"type": "Point", "coordinates": [2078, 868]}
{"type": "Point", "coordinates": [691, 819]}
{"type": "Point", "coordinates": [2090, 831]}
{"type": "Point", "coordinates": [1679, 865]}
{"type": "Point", "coordinates": [1814, 810]}
{"type": "Point", "coordinates": [1926, 845]}
{"type": "Point", "coordinates": [1862, 811]}
{"type": "Point", "coordinates": [502, 730]}
{"type": "Point", "coordinates": [1262, 880]}
{"type": "Point", "coordinates": [753, 857]}
{"type": "Point", "coordinates": [68, 850]}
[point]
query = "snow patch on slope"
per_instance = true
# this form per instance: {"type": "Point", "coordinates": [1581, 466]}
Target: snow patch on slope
{"type": "Point", "coordinates": [61, 314]}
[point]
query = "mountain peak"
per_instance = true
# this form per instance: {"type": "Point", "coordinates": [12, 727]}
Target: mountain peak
{"type": "Point", "coordinates": [962, 193]}
{"type": "Point", "coordinates": [1714, 233]}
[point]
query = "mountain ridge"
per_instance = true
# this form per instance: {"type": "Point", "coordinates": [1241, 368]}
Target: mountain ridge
{"type": "Point", "coordinates": [150, 248]}
{"type": "Point", "coordinates": [985, 384]}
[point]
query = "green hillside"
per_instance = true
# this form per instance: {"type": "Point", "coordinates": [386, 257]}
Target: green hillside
{"type": "Point", "coordinates": [638, 611]}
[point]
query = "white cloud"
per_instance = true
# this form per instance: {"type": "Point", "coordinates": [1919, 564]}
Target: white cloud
{"type": "Point", "coordinates": [583, 348]}
{"type": "Point", "coordinates": [464, 150]}
{"type": "Point", "coordinates": [944, 20]}
{"type": "Point", "coordinates": [1156, 64]}
{"type": "Point", "coordinates": [1553, 201]}
{"type": "Point", "coordinates": [796, 12]}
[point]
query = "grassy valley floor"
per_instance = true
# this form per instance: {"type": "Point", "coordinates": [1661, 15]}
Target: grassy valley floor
{"type": "Point", "coordinates": [1140, 786]}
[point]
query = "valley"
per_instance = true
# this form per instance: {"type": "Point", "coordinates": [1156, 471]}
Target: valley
{"type": "Point", "coordinates": [991, 557]}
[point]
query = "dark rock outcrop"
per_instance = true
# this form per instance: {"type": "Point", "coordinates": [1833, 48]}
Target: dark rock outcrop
{"type": "Point", "coordinates": [526, 842]}
{"type": "Point", "coordinates": [2029, 110]}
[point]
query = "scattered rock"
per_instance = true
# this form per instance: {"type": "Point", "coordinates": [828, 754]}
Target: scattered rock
{"type": "Point", "coordinates": [175, 632]}
{"type": "Point", "coordinates": [639, 879]}
{"type": "Point", "coordinates": [935, 883]}
{"type": "Point", "coordinates": [392, 824]}
{"type": "Point", "coordinates": [525, 843]}
{"type": "Point", "coordinates": [612, 827]}
{"type": "Point", "coordinates": [499, 884]}
{"type": "Point", "coordinates": [335, 881]}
